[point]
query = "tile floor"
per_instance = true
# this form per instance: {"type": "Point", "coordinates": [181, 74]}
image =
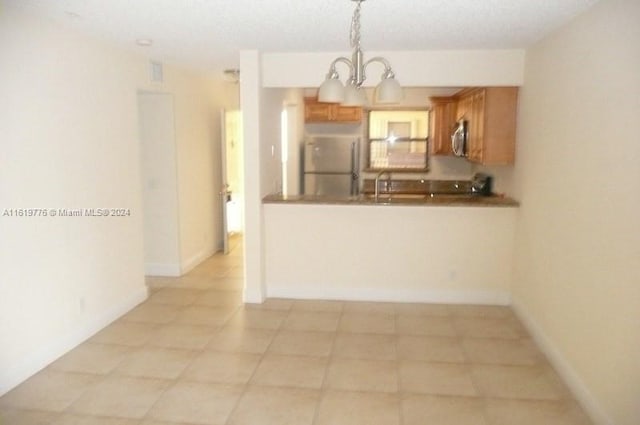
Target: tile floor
{"type": "Point", "coordinates": [193, 354]}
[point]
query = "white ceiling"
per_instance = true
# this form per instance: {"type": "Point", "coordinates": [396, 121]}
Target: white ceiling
{"type": "Point", "coordinates": [208, 34]}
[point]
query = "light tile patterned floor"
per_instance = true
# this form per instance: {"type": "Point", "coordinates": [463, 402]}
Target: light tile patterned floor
{"type": "Point", "coordinates": [193, 354]}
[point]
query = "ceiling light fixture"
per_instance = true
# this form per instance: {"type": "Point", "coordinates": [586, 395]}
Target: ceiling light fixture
{"type": "Point", "coordinates": [332, 90]}
{"type": "Point", "coordinates": [144, 42]}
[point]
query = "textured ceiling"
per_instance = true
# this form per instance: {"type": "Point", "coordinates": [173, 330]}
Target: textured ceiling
{"type": "Point", "coordinates": [208, 34]}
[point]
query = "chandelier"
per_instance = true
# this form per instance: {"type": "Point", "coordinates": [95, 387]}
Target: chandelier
{"type": "Point", "coordinates": [333, 91]}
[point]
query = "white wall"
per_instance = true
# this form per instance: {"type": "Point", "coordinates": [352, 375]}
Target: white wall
{"type": "Point", "coordinates": [273, 101]}
{"type": "Point", "coordinates": [576, 280]}
{"type": "Point", "coordinates": [383, 253]}
{"type": "Point", "coordinates": [294, 104]}
{"type": "Point", "coordinates": [69, 140]}
{"type": "Point", "coordinates": [250, 99]}
{"type": "Point", "coordinates": [455, 68]}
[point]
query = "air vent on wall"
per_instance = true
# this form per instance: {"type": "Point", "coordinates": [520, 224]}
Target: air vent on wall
{"type": "Point", "coordinates": [156, 72]}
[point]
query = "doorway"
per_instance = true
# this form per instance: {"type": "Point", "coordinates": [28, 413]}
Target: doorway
{"type": "Point", "coordinates": [232, 179]}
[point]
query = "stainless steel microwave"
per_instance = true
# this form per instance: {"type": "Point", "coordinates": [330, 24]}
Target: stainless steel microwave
{"type": "Point", "coordinates": [459, 138]}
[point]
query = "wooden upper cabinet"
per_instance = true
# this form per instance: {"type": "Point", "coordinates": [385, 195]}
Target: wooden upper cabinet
{"type": "Point", "coordinates": [315, 111]}
{"type": "Point", "coordinates": [442, 120]}
{"type": "Point", "coordinates": [491, 115]}
{"type": "Point", "coordinates": [347, 114]}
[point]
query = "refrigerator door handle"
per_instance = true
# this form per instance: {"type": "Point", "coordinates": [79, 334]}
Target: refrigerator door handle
{"type": "Point", "coordinates": [354, 168]}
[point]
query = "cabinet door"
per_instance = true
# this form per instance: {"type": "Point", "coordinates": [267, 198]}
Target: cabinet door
{"type": "Point", "coordinates": [315, 111]}
{"type": "Point", "coordinates": [442, 120]}
{"type": "Point", "coordinates": [500, 113]}
{"type": "Point", "coordinates": [318, 112]}
{"type": "Point", "coordinates": [491, 117]}
{"type": "Point", "coordinates": [347, 114]}
{"type": "Point", "coordinates": [475, 148]}
{"type": "Point", "coordinates": [463, 110]}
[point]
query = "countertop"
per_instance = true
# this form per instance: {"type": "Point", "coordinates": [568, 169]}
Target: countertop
{"type": "Point", "coordinates": [457, 200]}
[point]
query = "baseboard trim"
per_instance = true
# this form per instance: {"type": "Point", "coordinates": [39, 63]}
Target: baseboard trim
{"type": "Point", "coordinates": [563, 367]}
{"type": "Point", "coordinates": [489, 297]}
{"type": "Point", "coordinates": [194, 260]}
{"type": "Point", "coordinates": [159, 269]}
{"type": "Point", "coordinates": [58, 346]}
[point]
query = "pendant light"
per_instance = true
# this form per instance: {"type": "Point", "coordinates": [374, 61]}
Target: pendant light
{"type": "Point", "coordinates": [333, 91]}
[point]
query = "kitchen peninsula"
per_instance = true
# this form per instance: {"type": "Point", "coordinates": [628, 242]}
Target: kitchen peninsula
{"type": "Point", "coordinates": [395, 200]}
{"type": "Point", "coordinates": [405, 249]}
{"type": "Point", "coordinates": [404, 238]}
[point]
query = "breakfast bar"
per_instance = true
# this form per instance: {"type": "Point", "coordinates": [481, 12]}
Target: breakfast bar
{"type": "Point", "coordinates": [442, 248]}
{"type": "Point", "coordinates": [396, 200]}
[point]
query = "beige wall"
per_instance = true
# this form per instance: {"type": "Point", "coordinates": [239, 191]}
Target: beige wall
{"type": "Point", "coordinates": [452, 68]}
{"type": "Point", "coordinates": [576, 278]}
{"type": "Point", "coordinates": [389, 253]}
{"type": "Point", "coordinates": [196, 160]}
{"type": "Point", "coordinates": [198, 133]}
{"type": "Point", "coordinates": [70, 140]}
{"type": "Point", "coordinates": [159, 184]}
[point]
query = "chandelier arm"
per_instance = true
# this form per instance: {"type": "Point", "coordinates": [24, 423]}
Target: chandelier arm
{"type": "Point", "coordinates": [388, 73]}
{"type": "Point", "coordinates": [333, 73]}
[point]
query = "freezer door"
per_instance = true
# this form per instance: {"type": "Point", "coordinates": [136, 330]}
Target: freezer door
{"type": "Point", "coordinates": [328, 184]}
{"type": "Point", "coordinates": [329, 154]}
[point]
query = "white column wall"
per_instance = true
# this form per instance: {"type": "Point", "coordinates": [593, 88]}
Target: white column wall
{"type": "Point", "coordinates": [250, 101]}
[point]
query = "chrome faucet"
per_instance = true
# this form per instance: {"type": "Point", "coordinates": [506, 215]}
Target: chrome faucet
{"type": "Point", "coordinates": [377, 183]}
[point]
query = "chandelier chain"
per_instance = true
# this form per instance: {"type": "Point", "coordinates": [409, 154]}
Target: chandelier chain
{"type": "Point", "coordinates": [355, 27]}
{"type": "Point", "coordinates": [333, 90]}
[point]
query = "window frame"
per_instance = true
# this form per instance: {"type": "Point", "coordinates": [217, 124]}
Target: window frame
{"type": "Point", "coordinates": [368, 139]}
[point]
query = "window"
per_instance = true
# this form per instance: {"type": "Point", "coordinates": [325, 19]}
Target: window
{"type": "Point", "coordinates": [397, 140]}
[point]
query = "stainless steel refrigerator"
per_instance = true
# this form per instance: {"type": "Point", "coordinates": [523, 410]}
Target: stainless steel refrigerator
{"type": "Point", "coordinates": [331, 165]}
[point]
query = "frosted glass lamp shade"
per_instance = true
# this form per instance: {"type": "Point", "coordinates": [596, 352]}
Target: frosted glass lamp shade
{"type": "Point", "coordinates": [354, 96]}
{"type": "Point", "coordinates": [331, 91]}
{"type": "Point", "coordinates": [389, 91]}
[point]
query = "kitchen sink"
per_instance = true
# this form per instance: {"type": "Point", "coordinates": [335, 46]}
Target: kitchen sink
{"type": "Point", "coordinates": [395, 196]}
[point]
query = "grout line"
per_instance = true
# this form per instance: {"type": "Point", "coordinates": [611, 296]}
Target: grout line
{"type": "Point", "coordinates": [399, 393]}
{"type": "Point", "coordinates": [459, 337]}
{"type": "Point", "coordinates": [196, 352]}
{"type": "Point", "coordinates": [247, 384]}
{"type": "Point", "coordinates": [330, 358]}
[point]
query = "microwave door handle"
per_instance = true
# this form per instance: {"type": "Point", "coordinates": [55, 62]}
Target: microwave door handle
{"type": "Point", "coordinates": [354, 167]}
{"type": "Point", "coordinates": [454, 141]}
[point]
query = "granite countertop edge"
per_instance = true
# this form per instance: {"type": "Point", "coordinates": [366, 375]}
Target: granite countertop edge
{"type": "Point", "coordinates": [384, 200]}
